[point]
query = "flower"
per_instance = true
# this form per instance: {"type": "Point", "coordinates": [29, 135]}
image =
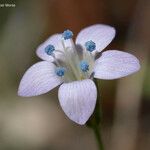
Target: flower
{"type": "Point", "coordinates": [73, 66]}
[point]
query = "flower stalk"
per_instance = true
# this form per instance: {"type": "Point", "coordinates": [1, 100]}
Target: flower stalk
{"type": "Point", "coordinates": [97, 133]}
{"type": "Point", "coordinates": [95, 120]}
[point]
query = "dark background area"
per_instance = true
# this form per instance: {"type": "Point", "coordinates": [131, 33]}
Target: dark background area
{"type": "Point", "coordinates": [38, 123]}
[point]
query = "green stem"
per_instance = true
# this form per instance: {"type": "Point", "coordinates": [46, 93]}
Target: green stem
{"type": "Point", "coordinates": [97, 133]}
{"type": "Point", "coordinates": [95, 120]}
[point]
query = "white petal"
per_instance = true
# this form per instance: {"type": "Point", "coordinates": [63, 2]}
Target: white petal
{"type": "Point", "coordinates": [39, 79]}
{"type": "Point", "coordinates": [78, 99]}
{"type": "Point", "coordinates": [115, 64]}
{"type": "Point", "coordinates": [54, 40]}
{"type": "Point", "coordinates": [101, 34]}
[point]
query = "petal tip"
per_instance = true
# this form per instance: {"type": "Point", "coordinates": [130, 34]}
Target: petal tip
{"type": "Point", "coordinates": [138, 66]}
{"type": "Point", "coordinates": [21, 92]}
{"type": "Point", "coordinates": [81, 122]}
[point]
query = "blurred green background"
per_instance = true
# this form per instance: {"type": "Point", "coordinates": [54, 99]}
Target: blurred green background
{"type": "Point", "coordinates": [38, 123]}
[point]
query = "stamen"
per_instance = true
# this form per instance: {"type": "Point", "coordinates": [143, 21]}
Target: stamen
{"type": "Point", "coordinates": [68, 59]}
{"type": "Point", "coordinates": [55, 59]}
{"type": "Point", "coordinates": [67, 34]}
{"type": "Point", "coordinates": [84, 66]}
{"type": "Point", "coordinates": [90, 46]}
{"type": "Point", "coordinates": [49, 49]}
{"type": "Point", "coordinates": [60, 71]}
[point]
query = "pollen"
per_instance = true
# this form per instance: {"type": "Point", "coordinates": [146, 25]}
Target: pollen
{"type": "Point", "coordinates": [90, 46]}
{"type": "Point", "coordinates": [49, 49]}
{"type": "Point", "coordinates": [84, 66]}
{"type": "Point", "coordinates": [67, 34]}
{"type": "Point", "coordinates": [60, 71]}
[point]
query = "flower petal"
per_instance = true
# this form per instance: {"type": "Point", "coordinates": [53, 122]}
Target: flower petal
{"type": "Point", "coordinates": [39, 79]}
{"type": "Point", "coordinates": [100, 34]}
{"type": "Point", "coordinates": [54, 40]}
{"type": "Point", "coordinates": [115, 64]}
{"type": "Point", "coordinates": [78, 99]}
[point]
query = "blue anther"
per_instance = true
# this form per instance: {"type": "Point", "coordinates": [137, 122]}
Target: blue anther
{"type": "Point", "coordinates": [67, 34]}
{"type": "Point", "coordinates": [90, 46]}
{"type": "Point", "coordinates": [49, 49]}
{"type": "Point", "coordinates": [84, 66]}
{"type": "Point", "coordinates": [60, 71]}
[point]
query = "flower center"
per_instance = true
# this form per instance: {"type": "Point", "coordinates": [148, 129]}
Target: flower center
{"type": "Point", "coordinates": [78, 66]}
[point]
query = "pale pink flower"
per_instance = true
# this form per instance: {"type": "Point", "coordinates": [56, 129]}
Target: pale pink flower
{"type": "Point", "coordinates": [73, 66]}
